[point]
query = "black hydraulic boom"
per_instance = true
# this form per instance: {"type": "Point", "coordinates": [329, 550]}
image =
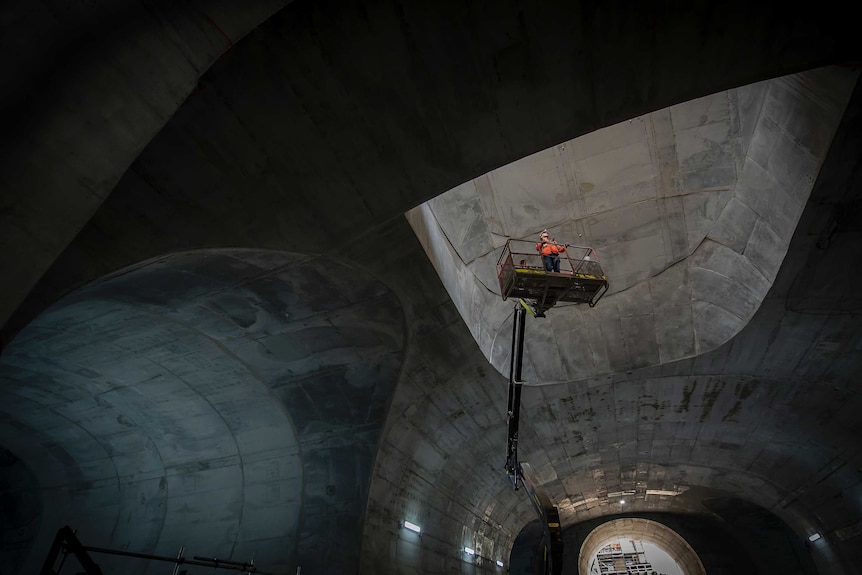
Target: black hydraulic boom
{"type": "Point", "coordinates": [521, 473]}
{"type": "Point", "coordinates": [515, 385]}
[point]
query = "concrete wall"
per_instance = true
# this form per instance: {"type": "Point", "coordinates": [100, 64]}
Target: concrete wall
{"type": "Point", "coordinates": [226, 401]}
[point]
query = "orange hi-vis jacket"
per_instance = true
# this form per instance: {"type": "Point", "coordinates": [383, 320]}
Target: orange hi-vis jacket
{"type": "Point", "coordinates": [550, 248]}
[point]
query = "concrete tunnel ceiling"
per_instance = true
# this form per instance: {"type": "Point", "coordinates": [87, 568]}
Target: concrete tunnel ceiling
{"type": "Point", "coordinates": [691, 210]}
{"type": "Point", "coordinates": [236, 392]}
{"type": "Point", "coordinates": [144, 150]}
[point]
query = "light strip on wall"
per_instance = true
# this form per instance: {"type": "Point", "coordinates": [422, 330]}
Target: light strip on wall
{"type": "Point", "coordinates": [412, 527]}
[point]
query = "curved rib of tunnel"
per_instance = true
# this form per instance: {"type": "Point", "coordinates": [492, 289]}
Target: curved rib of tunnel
{"type": "Point", "coordinates": [226, 401]}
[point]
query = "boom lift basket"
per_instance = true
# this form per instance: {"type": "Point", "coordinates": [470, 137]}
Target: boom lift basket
{"type": "Point", "coordinates": [522, 274]}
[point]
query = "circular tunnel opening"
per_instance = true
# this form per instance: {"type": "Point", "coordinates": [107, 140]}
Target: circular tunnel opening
{"type": "Point", "coordinates": [626, 555]}
{"type": "Point", "coordinates": [634, 545]}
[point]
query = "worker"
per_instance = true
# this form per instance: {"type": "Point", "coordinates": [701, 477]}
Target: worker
{"type": "Point", "coordinates": [550, 250]}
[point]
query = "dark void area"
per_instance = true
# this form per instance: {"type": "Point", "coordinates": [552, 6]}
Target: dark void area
{"type": "Point", "coordinates": [526, 555]}
{"type": "Point", "coordinates": [20, 510]}
{"type": "Point", "coordinates": [774, 547]}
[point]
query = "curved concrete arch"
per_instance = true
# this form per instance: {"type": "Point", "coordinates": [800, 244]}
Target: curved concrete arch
{"type": "Point", "coordinates": [103, 81]}
{"type": "Point", "coordinates": [675, 434]}
{"type": "Point", "coordinates": [684, 413]}
{"type": "Point", "coordinates": [641, 530]}
{"type": "Point", "coordinates": [439, 448]}
{"type": "Point", "coordinates": [69, 463]}
{"type": "Point", "coordinates": [691, 209]}
{"type": "Point", "coordinates": [234, 448]}
{"type": "Point", "coordinates": [176, 460]}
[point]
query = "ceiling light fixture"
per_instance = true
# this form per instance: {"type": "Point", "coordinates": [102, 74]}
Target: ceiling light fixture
{"type": "Point", "coordinates": [499, 563]}
{"type": "Point", "coordinates": [412, 526]}
{"type": "Point", "coordinates": [662, 492]}
{"type": "Point", "coordinates": [814, 537]}
{"type": "Point", "coordinates": [469, 551]}
{"type": "Point", "coordinates": [618, 493]}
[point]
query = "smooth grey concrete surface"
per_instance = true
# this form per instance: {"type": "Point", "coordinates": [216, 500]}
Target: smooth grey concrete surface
{"type": "Point", "coordinates": [307, 141]}
{"type": "Point", "coordinates": [229, 401]}
{"type": "Point", "coordinates": [690, 209]}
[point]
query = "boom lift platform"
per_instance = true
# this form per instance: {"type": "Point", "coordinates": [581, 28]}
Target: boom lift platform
{"type": "Point", "coordinates": [580, 280]}
{"type": "Point", "coordinates": [522, 274]}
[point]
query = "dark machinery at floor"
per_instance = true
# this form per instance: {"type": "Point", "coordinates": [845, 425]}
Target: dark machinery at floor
{"type": "Point", "coordinates": [66, 545]}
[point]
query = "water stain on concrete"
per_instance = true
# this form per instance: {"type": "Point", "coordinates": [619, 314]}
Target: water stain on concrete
{"type": "Point", "coordinates": [743, 390]}
{"type": "Point", "coordinates": [686, 397]}
{"type": "Point", "coordinates": [713, 390]}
